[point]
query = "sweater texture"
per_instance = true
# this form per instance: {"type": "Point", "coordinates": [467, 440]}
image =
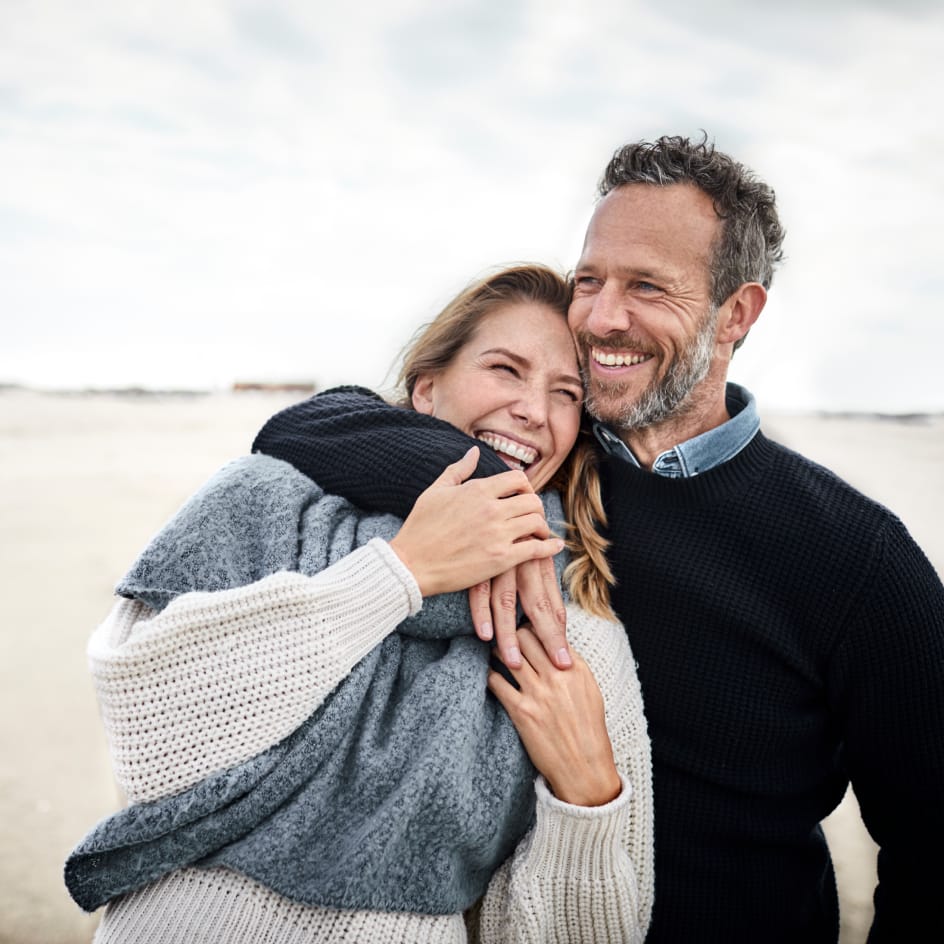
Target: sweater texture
{"type": "Point", "coordinates": [217, 672]}
{"type": "Point", "coordinates": [214, 678]}
{"type": "Point", "coordinates": [353, 809]}
{"type": "Point", "coordinates": [377, 456]}
{"type": "Point", "coordinates": [789, 635]}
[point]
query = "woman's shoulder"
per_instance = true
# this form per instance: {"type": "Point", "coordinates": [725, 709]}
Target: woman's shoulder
{"type": "Point", "coordinates": [242, 523]}
{"type": "Point", "coordinates": [248, 472]}
{"type": "Point", "coordinates": [604, 646]}
{"type": "Point", "coordinates": [599, 641]}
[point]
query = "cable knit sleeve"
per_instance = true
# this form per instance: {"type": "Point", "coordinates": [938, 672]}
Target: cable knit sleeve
{"type": "Point", "coordinates": [215, 678]}
{"type": "Point", "coordinates": [585, 875]}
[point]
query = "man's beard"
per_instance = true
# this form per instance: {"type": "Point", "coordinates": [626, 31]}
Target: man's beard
{"type": "Point", "coordinates": [665, 397]}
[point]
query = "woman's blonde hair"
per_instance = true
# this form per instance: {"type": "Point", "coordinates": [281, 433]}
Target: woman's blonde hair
{"type": "Point", "coordinates": [588, 576]}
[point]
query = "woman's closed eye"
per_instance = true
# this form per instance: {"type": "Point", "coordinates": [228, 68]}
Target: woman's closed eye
{"type": "Point", "coordinates": [568, 393]}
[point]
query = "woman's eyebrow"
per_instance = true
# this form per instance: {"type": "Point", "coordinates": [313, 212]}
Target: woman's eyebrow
{"type": "Point", "coordinates": [518, 358]}
{"type": "Point", "coordinates": [570, 378]}
{"type": "Point", "coordinates": [525, 362]}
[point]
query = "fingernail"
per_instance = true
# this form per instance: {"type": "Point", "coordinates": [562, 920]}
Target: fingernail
{"type": "Point", "coordinates": [514, 656]}
{"type": "Point", "coordinates": [486, 631]}
{"type": "Point", "coordinates": [563, 657]}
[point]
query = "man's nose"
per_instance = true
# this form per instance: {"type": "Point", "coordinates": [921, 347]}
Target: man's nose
{"type": "Point", "coordinates": [608, 312]}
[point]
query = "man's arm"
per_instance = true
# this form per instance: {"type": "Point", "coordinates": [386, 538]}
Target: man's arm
{"type": "Point", "coordinates": [889, 673]}
{"type": "Point", "coordinates": [381, 458]}
{"type": "Point", "coordinates": [377, 456]}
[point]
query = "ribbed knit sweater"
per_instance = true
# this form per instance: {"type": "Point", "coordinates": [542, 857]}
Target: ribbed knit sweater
{"type": "Point", "coordinates": [789, 635]}
{"type": "Point", "coordinates": [217, 677]}
{"type": "Point", "coordinates": [366, 804]}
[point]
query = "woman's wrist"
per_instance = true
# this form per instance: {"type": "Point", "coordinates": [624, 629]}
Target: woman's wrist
{"type": "Point", "coordinates": [595, 788]}
{"type": "Point", "coordinates": [405, 557]}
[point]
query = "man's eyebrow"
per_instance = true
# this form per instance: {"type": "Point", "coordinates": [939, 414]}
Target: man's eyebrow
{"type": "Point", "coordinates": [625, 272]}
{"type": "Point", "coordinates": [518, 359]}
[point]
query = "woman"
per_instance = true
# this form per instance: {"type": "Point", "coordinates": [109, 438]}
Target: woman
{"type": "Point", "coordinates": [246, 679]}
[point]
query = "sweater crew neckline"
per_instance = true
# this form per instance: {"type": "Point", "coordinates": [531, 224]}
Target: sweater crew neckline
{"type": "Point", "coordinates": [720, 483]}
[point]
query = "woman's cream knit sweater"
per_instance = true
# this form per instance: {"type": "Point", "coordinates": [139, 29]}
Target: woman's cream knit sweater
{"type": "Point", "coordinates": [215, 678]}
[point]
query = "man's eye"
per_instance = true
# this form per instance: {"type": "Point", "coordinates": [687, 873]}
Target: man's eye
{"type": "Point", "coordinates": [647, 287]}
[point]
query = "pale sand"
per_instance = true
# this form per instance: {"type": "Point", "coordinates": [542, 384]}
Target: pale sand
{"type": "Point", "coordinates": [85, 481]}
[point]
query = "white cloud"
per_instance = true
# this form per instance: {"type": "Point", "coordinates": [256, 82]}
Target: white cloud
{"type": "Point", "coordinates": [200, 192]}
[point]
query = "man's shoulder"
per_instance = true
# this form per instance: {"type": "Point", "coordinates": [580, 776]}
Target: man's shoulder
{"type": "Point", "coordinates": [804, 480]}
{"type": "Point", "coordinates": [834, 527]}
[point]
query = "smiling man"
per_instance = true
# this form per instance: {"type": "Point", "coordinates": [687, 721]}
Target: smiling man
{"type": "Point", "coordinates": [789, 632]}
{"type": "Point", "coordinates": [654, 341]}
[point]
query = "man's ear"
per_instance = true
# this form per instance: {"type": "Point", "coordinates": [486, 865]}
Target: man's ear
{"type": "Point", "coordinates": [739, 312]}
{"type": "Point", "coordinates": [423, 394]}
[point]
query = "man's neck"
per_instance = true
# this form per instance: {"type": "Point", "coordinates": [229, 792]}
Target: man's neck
{"type": "Point", "coordinates": [648, 443]}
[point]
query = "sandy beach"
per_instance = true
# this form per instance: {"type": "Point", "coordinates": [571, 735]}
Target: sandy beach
{"type": "Point", "coordinates": [87, 479]}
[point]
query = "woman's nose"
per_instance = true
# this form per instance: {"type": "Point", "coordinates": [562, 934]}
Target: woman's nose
{"type": "Point", "coordinates": [532, 407]}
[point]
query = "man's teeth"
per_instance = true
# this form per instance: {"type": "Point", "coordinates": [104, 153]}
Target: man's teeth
{"type": "Point", "coordinates": [611, 359]}
{"type": "Point", "coordinates": [524, 454]}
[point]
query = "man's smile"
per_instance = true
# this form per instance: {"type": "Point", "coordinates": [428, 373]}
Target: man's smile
{"type": "Point", "coordinates": [607, 358]}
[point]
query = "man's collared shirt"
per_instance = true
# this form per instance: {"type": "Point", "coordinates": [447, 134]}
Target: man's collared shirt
{"type": "Point", "coordinates": [702, 452]}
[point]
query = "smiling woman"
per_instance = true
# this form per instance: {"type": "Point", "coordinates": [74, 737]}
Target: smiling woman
{"type": "Point", "coordinates": [514, 386]}
{"type": "Point", "coordinates": [506, 340]}
{"type": "Point", "coordinates": [298, 706]}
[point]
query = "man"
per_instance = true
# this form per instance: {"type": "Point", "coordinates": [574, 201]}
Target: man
{"type": "Point", "coordinates": [789, 632]}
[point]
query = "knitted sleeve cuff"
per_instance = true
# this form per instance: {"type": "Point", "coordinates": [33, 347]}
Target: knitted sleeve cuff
{"type": "Point", "coordinates": [584, 840]}
{"type": "Point", "coordinates": [403, 573]}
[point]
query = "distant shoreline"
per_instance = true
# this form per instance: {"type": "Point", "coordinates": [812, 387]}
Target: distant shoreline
{"type": "Point", "coordinates": [307, 388]}
{"type": "Point", "coordinates": [280, 387]}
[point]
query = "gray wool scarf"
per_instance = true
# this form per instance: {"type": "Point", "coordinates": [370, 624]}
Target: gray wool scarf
{"type": "Point", "coordinates": [404, 791]}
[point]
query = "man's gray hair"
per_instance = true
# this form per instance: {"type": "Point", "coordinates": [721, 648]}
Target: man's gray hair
{"type": "Point", "coordinates": [751, 234]}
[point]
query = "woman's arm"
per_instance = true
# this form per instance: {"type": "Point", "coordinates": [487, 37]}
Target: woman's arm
{"type": "Point", "coordinates": [585, 874]}
{"type": "Point", "coordinates": [215, 678]}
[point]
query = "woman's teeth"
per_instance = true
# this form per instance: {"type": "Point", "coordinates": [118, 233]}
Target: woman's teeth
{"type": "Point", "coordinates": [524, 454]}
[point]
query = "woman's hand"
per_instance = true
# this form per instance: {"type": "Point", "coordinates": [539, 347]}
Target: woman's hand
{"type": "Point", "coordinates": [493, 605]}
{"type": "Point", "coordinates": [560, 718]}
{"type": "Point", "coordinates": [461, 533]}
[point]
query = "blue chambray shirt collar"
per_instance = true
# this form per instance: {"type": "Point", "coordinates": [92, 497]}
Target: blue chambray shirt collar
{"type": "Point", "coordinates": [702, 452]}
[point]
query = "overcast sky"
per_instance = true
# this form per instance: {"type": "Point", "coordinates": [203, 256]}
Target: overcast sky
{"type": "Point", "coordinates": [200, 192]}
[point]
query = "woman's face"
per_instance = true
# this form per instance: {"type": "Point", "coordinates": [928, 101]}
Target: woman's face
{"type": "Point", "coordinates": [515, 386]}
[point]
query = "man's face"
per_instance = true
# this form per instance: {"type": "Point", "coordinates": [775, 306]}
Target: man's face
{"type": "Point", "coordinates": [642, 315]}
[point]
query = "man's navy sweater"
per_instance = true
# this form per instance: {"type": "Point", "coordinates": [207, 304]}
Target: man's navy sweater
{"type": "Point", "coordinates": [790, 637]}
